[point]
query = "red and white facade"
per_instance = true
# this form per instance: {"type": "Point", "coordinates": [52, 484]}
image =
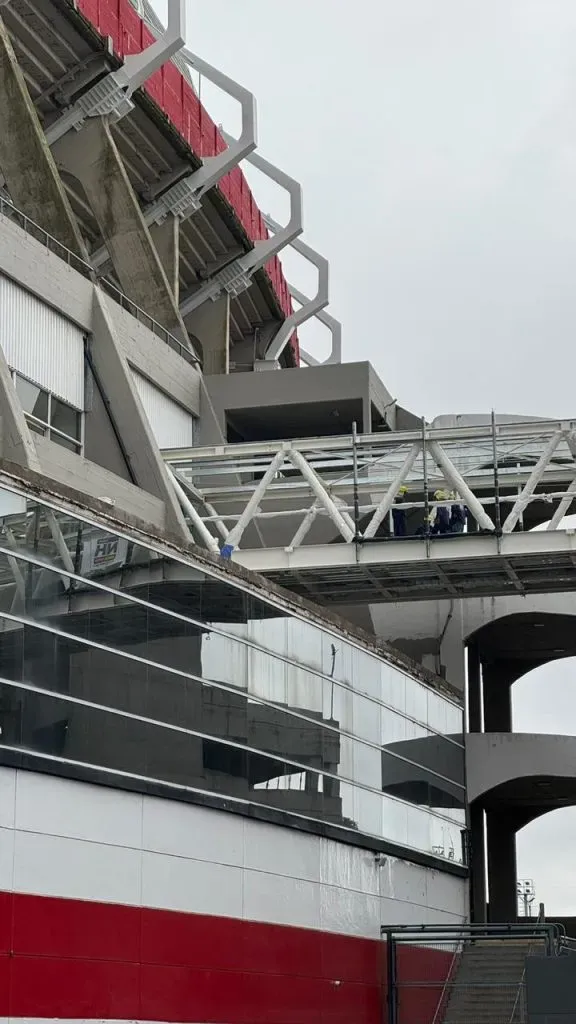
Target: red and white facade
{"type": "Point", "coordinates": [118, 906]}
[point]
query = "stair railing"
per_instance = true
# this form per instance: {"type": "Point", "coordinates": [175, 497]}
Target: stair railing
{"type": "Point", "coordinates": [449, 978]}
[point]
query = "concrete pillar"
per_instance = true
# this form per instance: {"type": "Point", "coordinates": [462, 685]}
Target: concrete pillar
{"type": "Point", "coordinates": [93, 158]}
{"type": "Point", "coordinates": [166, 238]}
{"type": "Point", "coordinates": [478, 895]}
{"type": "Point", "coordinates": [131, 423]}
{"type": "Point", "coordinates": [16, 443]}
{"type": "Point", "coordinates": [497, 679]}
{"type": "Point", "coordinates": [501, 832]}
{"type": "Point", "coordinates": [210, 324]}
{"type": "Point", "coordinates": [26, 162]}
{"type": "Point", "coordinates": [474, 688]}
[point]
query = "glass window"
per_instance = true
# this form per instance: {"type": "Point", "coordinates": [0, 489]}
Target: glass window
{"type": "Point", "coordinates": [284, 713]}
{"type": "Point", "coordinates": [64, 418]}
{"type": "Point", "coordinates": [34, 399]}
{"type": "Point", "coordinates": [44, 411]}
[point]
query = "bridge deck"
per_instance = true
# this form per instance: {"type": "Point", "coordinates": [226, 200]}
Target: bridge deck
{"type": "Point", "coordinates": [469, 565]}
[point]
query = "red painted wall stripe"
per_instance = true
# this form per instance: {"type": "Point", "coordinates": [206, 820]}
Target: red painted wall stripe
{"type": "Point", "coordinates": [75, 959]}
{"type": "Point", "coordinates": [175, 97]}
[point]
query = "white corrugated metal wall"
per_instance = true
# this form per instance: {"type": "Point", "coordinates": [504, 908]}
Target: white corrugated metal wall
{"type": "Point", "coordinates": [41, 344]}
{"type": "Point", "coordinates": [172, 425]}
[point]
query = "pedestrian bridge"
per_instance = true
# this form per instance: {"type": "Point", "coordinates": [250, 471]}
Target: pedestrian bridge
{"type": "Point", "coordinates": [315, 515]}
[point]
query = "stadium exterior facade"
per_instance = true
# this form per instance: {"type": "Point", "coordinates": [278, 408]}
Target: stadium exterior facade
{"type": "Point", "coordinates": [214, 794]}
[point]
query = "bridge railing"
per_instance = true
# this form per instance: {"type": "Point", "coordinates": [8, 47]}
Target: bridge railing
{"type": "Point", "coordinates": [495, 479]}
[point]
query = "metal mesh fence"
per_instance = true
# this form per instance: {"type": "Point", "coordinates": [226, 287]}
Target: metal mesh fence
{"type": "Point", "coordinates": [460, 979]}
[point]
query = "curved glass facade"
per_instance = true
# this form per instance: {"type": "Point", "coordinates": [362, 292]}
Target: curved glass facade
{"type": "Point", "coordinates": [140, 661]}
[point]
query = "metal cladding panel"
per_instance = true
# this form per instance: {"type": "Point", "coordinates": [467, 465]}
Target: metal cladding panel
{"type": "Point", "coordinates": [41, 343]}
{"type": "Point", "coordinates": [172, 426]}
{"type": "Point", "coordinates": [121, 907]}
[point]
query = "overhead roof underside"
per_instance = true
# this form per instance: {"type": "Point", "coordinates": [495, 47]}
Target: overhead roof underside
{"type": "Point", "coordinates": [57, 52]}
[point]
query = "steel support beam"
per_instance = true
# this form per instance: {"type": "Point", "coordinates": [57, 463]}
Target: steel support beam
{"type": "Point", "coordinates": [457, 481]}
{"type": "Point", "coordinates": [236, 532]}
{"type": "Point", "coordinates": [237, 276]}
{"type": "Point", "coordinates": [335, 328]}
{"type": "Point", "coordinates": [385, 505]}
{"type": "Point", "coordinates": [183, 198]}
{"type": "Point", "coordinates": [532, 483]}
{"type": "Point", "coordinates": [308, 307]}
{"type": "Point", "coordinates": [189, 511]}
{"type": "Point", "coordinates": [320, 493]}
{"type": "Point", "coordinates": [111, 96]}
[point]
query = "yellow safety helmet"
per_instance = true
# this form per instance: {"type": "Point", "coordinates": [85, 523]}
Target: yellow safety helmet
{"type": "Point", "coordinates": [403, 490]}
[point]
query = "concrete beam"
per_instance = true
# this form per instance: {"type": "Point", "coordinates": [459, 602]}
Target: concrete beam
{"type": "Point", "coordinates": [26, 162]}
{"type": "Point", "coordinates": [140, 448]}
{"type": "Point", "coordinates": [210, 324]}
{"type": "Point", "coordinates": [16, 443]}
{"type": "Point", "coordinates": [93, 158]}
{"type": "Point", "coordinates": [166, 239]}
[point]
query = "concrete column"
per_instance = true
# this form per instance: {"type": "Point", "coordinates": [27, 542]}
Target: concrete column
{"type": "Point", "coordinates": [474, 688]}
{"type": "Point", "coordinates": [497, 679]}
{"type": "Point", "coordinates": [502, 873]}
{"type": "Point", "coordinates": [210, 324]}
{"type": "Point", "coordinates": [139, 445]}
{"type": "Point", "coordinates": [478, 895]}
{"type": "Point", "coordinates": [16, 443]}
{"type": "Point", "coordinates": [26, 162]}
{"type": "Point", "coordinates": [166, 238]}
{"type": "Point", "coordinates": [93, 158]}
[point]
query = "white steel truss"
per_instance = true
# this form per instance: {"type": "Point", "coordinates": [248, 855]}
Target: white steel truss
{"type": "Point", "coordinates": [323, 502]}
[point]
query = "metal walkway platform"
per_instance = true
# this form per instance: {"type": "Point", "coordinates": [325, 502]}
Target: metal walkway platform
{"type": "Point", "coordinates": [414, 570]}
{"type": "Point", "coordinates": [316, 515]}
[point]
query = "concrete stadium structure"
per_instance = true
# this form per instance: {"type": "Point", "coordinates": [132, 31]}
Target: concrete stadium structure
{"type": "Point", "coordinates": [215, 793]}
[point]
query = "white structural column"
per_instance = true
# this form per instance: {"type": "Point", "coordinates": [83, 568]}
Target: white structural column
{"type": "Point", "coordinates": [532, 483]}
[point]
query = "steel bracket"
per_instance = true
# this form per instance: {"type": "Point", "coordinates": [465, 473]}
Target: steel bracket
{"type": "Point", "coordinates": [183, 198]}
{"type": "Point", "coordinates": [335, 328]}
{"type": "Point", "coordinates": [308, 307]}
{"type": "Point", "coordinates": [111, 96]}
{"type": "Point", "coordinates": [242, 270]}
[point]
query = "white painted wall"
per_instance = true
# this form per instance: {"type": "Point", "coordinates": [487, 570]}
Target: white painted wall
{"type": "Point", "coordinates": [79, 841]}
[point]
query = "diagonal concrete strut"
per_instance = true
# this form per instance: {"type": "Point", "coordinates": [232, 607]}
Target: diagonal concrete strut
{"type": "Point", "coordinates": [26, 162]}
{"type": "Point", "coordinates": [93, 158]}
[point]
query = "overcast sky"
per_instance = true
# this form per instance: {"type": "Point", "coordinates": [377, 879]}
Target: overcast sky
{"type": "Point", "coordinates": [436, 144]}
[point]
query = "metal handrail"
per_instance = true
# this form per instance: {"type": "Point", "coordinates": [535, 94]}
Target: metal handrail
{"type": "Point", "coordinates": [449, 977]}
{"type": "Point", "coordinates": [82, 267]}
